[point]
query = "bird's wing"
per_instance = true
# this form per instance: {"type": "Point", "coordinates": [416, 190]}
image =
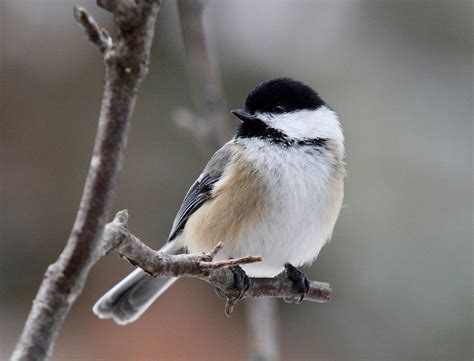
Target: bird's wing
{"type": "Point", "coordinates": [201, 190]}
{"type": "Point", "coordinates": [197, 195]}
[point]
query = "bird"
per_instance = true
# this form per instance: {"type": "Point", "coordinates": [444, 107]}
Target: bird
{"type": "Point", "coordinates": [275, 189]}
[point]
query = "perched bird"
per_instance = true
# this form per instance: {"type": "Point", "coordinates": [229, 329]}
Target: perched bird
{"type": "Point", "coordinates": [274, 190]}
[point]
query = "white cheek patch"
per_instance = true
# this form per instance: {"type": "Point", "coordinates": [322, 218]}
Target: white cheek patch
{"type": "Point", "coordinates": [307, 124]}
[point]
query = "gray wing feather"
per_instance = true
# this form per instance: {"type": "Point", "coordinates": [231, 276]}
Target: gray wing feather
{"type": "Point", "coordinates": [199, 193]}
{"type": "Point", "coordinates": [133, 295]}
{"type": "Point", "coordinates": [202, 188]}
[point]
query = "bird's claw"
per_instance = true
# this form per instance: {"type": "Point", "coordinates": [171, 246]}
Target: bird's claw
{"type": "Point", "coordinates": [300, 282]}
{"type": "Point", "coordinates": [241, 284]}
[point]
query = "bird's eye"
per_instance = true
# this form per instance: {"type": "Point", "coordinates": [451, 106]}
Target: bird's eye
{"type": "Point", "coordinates": [279, 109]}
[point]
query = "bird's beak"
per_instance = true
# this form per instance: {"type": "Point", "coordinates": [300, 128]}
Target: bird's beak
{"type": "Point", "coordinates": [243, 115]}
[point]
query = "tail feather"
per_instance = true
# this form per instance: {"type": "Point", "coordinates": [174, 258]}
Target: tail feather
{"type": "Point", "coordinates": [132, 296]}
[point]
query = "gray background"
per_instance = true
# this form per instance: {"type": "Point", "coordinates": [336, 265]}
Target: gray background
{"type": "Point", "coordinates": [399, 73]}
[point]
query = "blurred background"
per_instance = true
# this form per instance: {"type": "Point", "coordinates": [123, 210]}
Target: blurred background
{"type": "Point", "coordinates": [399, 73]}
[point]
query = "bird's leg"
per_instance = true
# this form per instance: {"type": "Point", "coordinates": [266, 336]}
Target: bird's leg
{"type": "Point", "coordinates": [299, 280]}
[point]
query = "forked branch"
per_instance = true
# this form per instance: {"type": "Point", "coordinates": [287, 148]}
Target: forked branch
{"type": "Point", "coordinates": [126, 62]}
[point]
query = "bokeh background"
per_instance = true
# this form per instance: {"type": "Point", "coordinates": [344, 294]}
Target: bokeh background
{"type": "Point", "coordinates": [399, 73]}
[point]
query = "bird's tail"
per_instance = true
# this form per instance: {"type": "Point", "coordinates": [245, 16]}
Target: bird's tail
{"type": "Point", "coordinates": [132, 296]}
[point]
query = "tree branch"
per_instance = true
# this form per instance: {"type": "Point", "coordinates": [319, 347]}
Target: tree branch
{"type": "Point", "coordinates": [211, 125]}
{"type": "Point", "coordinates": [126, 63]}
{"type": "Point", "coordinates": [262, 329]}
{"type": "Point", "coordinates": [117, 237]}
{"type": "Point", "coordinates": [95, 34]}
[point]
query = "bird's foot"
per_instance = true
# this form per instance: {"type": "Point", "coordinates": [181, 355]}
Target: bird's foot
{"type": "Point", "coordinates": [300, 283]}
{"type": "Point", "coordinates": [241, 284]}
{"type": "Point", "coordinates": [241, 281]}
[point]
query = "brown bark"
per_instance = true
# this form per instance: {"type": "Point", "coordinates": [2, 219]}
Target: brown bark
{"type": "Point", "coordinates": [126, 62]}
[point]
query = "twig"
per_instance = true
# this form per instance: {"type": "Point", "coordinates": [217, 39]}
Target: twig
{"type": "Point", "coordinates": [126, 63]}
{"type": "Point", "coordinates": [95, 34]}
{"type": "Point", "coordinates": [212, 123]}
{"type": "Point", "coordinates": [117, 237]}
{"type": "Point", "coordinates": [231, 262]}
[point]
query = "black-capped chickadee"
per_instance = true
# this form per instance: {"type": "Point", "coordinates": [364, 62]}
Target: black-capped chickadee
{"type": "Point", "coordinates": [274, 190]}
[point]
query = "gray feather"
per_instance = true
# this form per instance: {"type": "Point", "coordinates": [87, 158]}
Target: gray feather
{"type": "Point", "coordinates": [201, 190]}
{"type": "Point", "coordinates": [197, 195]}
{"type": "Point", "coordinates": [132, 296]}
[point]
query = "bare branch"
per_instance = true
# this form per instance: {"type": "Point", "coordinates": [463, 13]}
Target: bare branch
{"type": "Point", "coordinates": [95, 34]}
{"type": "Point", "coordinates": [117, 237]}
{"type": "Point", "coordinates": [231, 262]}
{"type": "Point", "coordinates": [126, 65]}
{"type": "Point", "coordinates": [205, 83]}
{"type": "Point", "coordinates": [262, 329]}
{"type": "Point", "coordinates": [213, 252]}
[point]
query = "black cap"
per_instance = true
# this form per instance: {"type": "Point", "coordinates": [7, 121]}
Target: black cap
{"type": "Point", "coordinates": [282, 95]}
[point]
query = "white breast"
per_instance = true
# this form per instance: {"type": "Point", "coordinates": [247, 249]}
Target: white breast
{"type": "Point", "coordinates": [301, 206]}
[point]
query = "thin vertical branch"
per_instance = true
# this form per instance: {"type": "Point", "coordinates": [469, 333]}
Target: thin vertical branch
{"type": "Point", "coordinates": [262, 317]}
{"type": "Point", "coordinates": [126, 63]}
{"type": "Point", "coordinates": [262, 324]}
{"type": "Point", "coordinates": [205, 82]}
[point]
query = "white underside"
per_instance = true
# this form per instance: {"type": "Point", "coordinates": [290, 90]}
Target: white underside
{"type": "Point", "coordinates": [292, 230]}
{"type": "Point", "coordinates": [299, 214]}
